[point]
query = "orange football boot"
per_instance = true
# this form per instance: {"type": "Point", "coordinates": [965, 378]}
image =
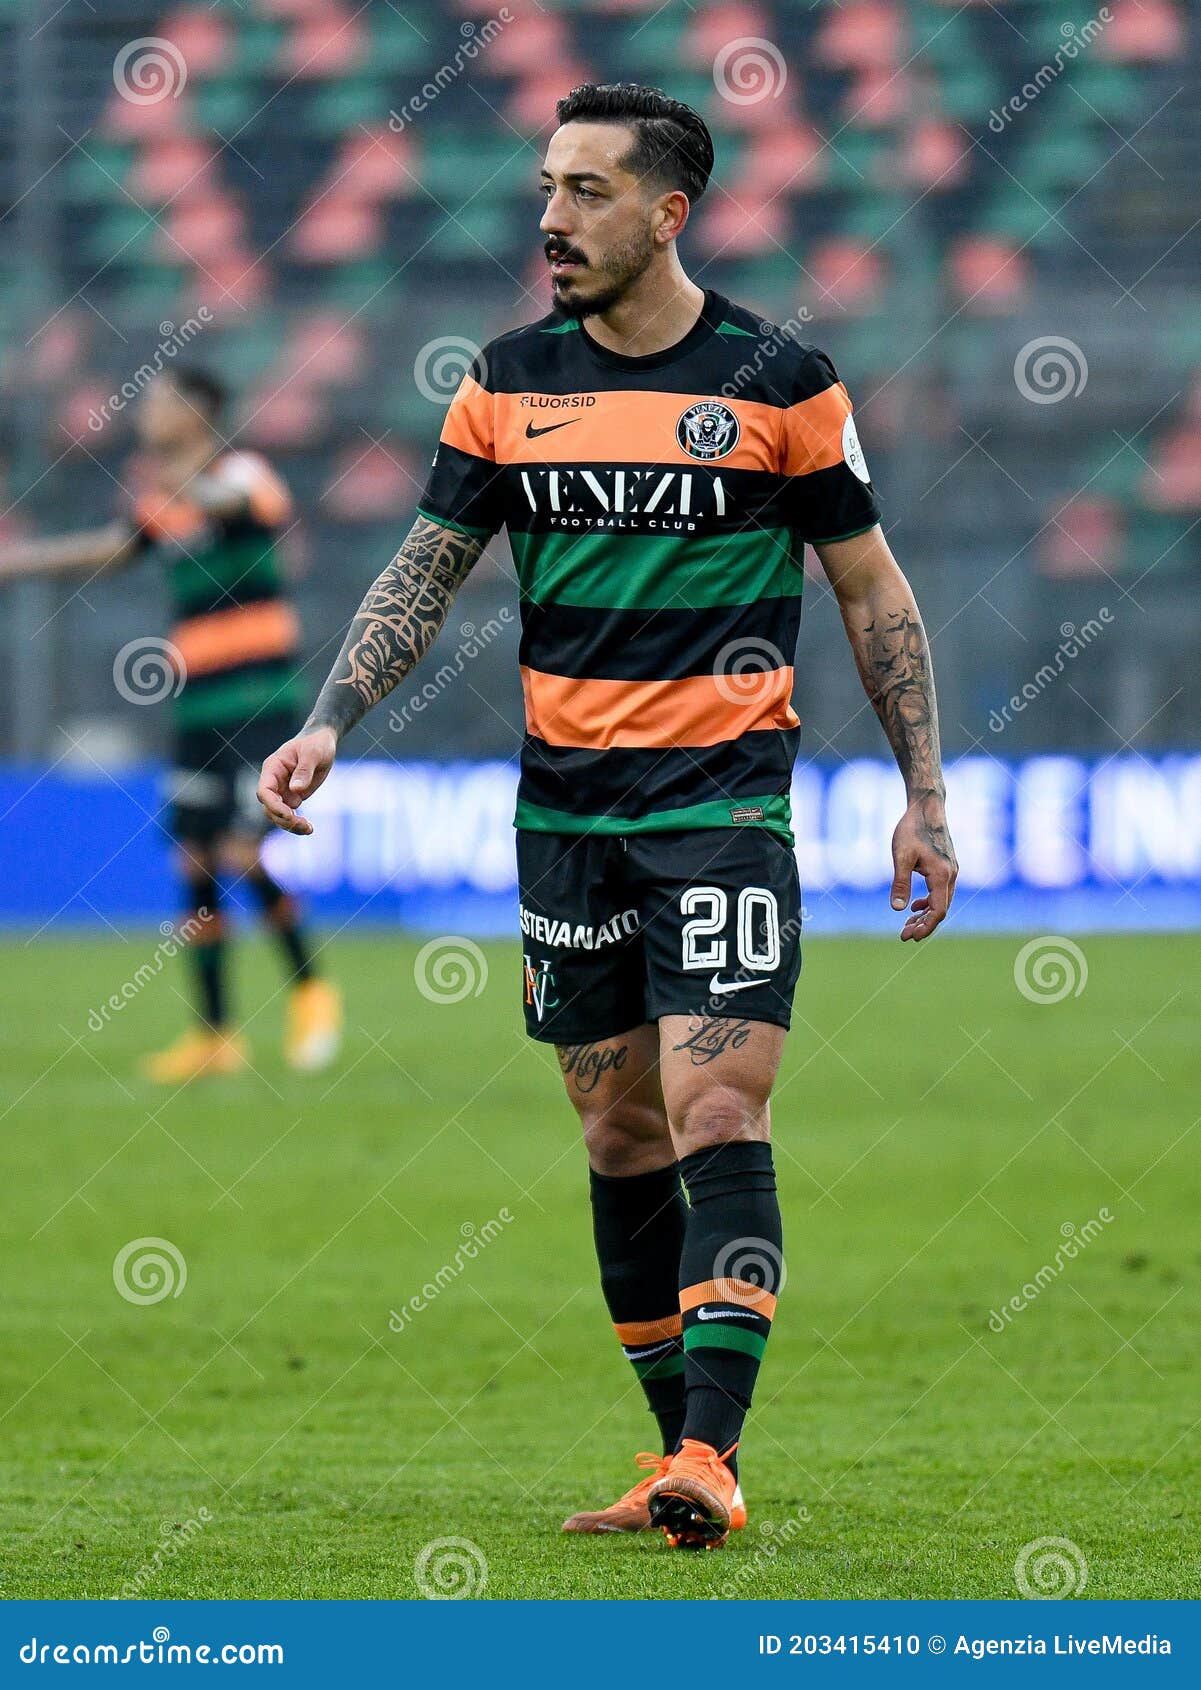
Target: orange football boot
{"type": "Point", "coordinates": [200, 1051]}
{"type": "Point", "coordinates": [630, 1512]}
{"type": "Point", "coordinates": [314, 1034]}
{"type": "Point", "coordinates": [693, 1502]}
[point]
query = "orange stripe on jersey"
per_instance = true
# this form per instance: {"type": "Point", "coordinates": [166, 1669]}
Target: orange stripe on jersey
{"type": "Point", "coordinates": [251, 633]}
{"type": "Point", "coordinates": [698, 710]}
{"type": "Point", "coordinates": [813, 431]}
{"type": "Point", "coordinates": [468, 423]}
{"type": "Point", "coordinates": [630, 428]}
{"type": "Point", "coordinates": [633, 1332]}
{"type": "Point", "coordinates": [739, 1291]}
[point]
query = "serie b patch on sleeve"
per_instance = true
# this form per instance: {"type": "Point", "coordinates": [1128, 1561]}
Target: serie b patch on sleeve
{"type": "Point", "coordinates": [852, 451]}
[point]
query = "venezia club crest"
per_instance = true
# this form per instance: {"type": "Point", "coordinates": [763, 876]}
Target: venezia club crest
{"type": "Point", "coordinates": [708, 430]}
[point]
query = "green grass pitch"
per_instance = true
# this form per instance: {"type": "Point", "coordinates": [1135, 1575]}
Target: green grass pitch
{"type": "Point", "coordinates": [267, 1433]}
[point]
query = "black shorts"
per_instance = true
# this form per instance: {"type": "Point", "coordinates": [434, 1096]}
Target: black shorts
{"type": "Point", "coordinates": [617, 931]}
{"type": "Point", "coordinates": [213, 777]}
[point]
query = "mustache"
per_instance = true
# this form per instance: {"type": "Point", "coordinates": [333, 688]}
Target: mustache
{"type": "Point", "coordinates": [555, 250]}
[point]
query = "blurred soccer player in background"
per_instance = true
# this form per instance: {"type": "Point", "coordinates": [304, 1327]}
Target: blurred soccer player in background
{"type": "Point", "coordinates": [213, 514]}
{"type": "Point", "coordinates": [660, 459]}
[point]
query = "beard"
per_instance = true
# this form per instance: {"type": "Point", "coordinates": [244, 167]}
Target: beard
{"type": "Point", "coordinates": [622, 267]}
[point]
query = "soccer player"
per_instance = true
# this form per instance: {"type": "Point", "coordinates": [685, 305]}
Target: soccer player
{"type": "Point", "coordinates": [660, 458]}
{"type": "Point", "coordinates": [213, 515]}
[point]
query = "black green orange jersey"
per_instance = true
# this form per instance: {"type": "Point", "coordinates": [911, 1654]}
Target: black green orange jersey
{"type": "Point", "coordinates": [235, 631]}
{"type": "Point", "coordinates": [657, 508]}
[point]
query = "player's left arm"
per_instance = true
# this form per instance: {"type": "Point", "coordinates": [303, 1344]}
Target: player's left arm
{"type": "Point", "coordinates": [884, 626]}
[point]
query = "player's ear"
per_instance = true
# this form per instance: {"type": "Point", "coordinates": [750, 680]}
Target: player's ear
{"type": "Point", "coordinates": [671, 214]}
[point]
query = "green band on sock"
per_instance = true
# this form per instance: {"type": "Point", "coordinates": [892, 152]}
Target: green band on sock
{"type": "Point", "coordinates": [718, 1337]}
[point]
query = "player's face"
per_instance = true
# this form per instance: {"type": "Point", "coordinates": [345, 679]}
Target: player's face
{"type": "Point", "coordinates": [165, 419]}
{"type": "Point", "coordinates": [599, 220]}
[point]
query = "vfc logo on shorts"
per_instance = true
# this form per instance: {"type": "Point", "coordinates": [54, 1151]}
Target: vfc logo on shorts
{"type": "Point", "coordinates": [539, 984]}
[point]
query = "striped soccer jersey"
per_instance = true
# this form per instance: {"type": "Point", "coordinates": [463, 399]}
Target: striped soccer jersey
{"type": "Point", "coordinates": [236, 634]}
{"type": "Point", "coordinates": [657, 509]}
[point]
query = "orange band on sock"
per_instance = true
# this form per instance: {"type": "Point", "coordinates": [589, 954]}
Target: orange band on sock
{"type": "Point", "coordinates": [740, 1291]}
{"type": "Point", "coordinates": [647, 1331]}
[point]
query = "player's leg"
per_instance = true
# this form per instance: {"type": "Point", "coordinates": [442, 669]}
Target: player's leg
{"type": "Point", "coordinates": [723, 958]}
{"type": "Point", "coordinates": [313, 1033]}
{"type": "Point", "coordinates": [582, 974]}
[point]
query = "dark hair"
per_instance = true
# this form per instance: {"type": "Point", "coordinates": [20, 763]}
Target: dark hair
{"type": "Point", "coordinates": [672, 143]}
{"type": "Point", "coordinates": [200, 389]}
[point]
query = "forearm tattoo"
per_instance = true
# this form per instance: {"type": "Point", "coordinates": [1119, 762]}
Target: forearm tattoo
{"type": "Point", "coordinates": [396, 623]}
{"type": "Point", "coordinates": [894, 661]}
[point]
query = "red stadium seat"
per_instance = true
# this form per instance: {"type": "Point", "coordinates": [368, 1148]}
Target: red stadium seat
{"type": "Point", "coordinates": [325, 349]}
{"type": "Point", "coordinates": [282, 416]}
{"type": "Point", "coordinates": [202, 226]}
{"type": "Point", "coordinates": [202, 35]}
{"type": "Point", "coordinates": [371, 482]}
{"type": "Point", "coordinates": [331, 43]}
{"type": "Point", "coordinates": [850, 276]}
{"type": "Point", "coordinates": [169, 165]}
{"type": "Point", "coordinates": [744, 225]}
{"type": "Point", "coordinates": [867, 35]}
{"type": "Point", "coordinates": [1172, 481]}
{"type": "Point", "coordinates": [375, 164]}
{"type": "Point", "coordinates": [1143, 31]}
{"type": "Point", "coordinates": [938, 155]}
{"type": "Point", "coordinates": [337, 228]}
{"type": "Point", "coordinates": [790, 158]}
{"type": "Point", "coordinates": [1084, 538]}
{"type": "Point", "coordinates": [989, 275]}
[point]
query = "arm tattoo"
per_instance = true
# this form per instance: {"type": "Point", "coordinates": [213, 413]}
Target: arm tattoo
{"type": "Point", "coordinates": [396, 623]}
{"type": "Point", "coordinates": [894, 661]}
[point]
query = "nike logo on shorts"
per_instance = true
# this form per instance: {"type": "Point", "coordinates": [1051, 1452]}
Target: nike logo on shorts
{"type": "Point", "coordinates": [717, 984]}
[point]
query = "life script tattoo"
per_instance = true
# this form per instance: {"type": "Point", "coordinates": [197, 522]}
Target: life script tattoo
{"type": "Point", "coordinates": [710, 1036]}
{"type": "Point", "coordinates": [396, 624]}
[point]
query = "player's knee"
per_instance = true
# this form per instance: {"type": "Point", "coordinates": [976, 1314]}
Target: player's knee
{"type": "Point", "coordinates": [723, 1115]}
{"type": "Point", "coordinates": [625, 1138]}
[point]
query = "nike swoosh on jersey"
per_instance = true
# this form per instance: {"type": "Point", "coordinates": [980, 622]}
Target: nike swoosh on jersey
{"type": "Point", "coordinates": [717, 984]}
{"type": "Point", "coordinates": [727, 1314]}
{"type": "Point", "coordinates": [532, 433]}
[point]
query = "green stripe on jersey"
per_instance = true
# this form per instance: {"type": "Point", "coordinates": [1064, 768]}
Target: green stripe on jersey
{"type": "Point", "coordinates": [714, 1336]}
{"type": "Point", "coordinates": [224, 575]}
{"type": "Point", "coordinates": [657, 572]}
{"type": "Point", "coordinates": [719, 812]}
{"type": "Point", "coordinates": [214, 703]}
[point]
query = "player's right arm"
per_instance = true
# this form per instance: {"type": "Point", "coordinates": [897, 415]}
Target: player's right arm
{"type": "Point", "coordinates": [395, 625]}
{"type": "Point", "coordinates": [89, 553]}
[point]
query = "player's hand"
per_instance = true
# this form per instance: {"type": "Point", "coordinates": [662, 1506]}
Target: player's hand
{"type": "Point", "coordinates": [292, 774]}
{"type": "Point", "coordinates": [922, 845]}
